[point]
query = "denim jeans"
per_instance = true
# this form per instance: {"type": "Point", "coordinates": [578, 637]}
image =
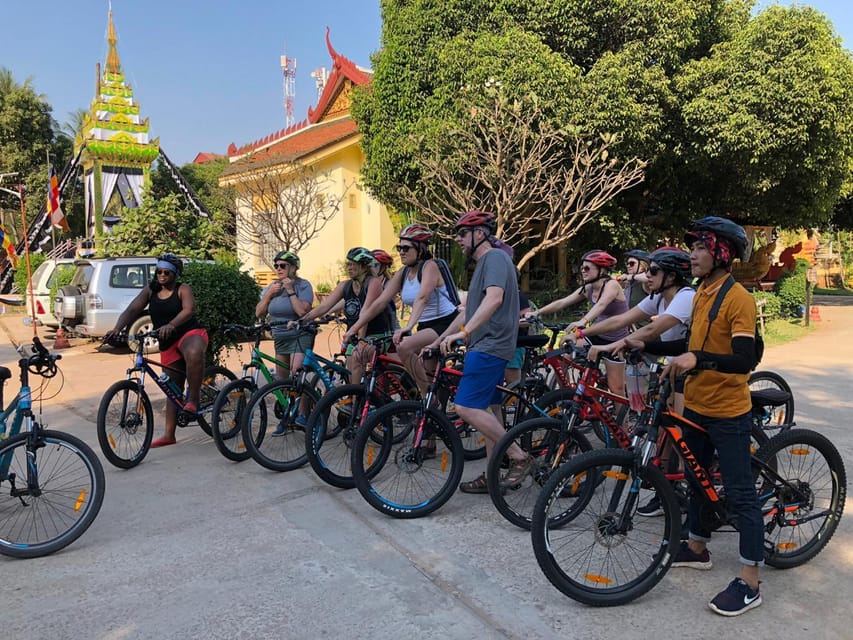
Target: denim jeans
{"type": "Point", "coordinates": [730, 437]}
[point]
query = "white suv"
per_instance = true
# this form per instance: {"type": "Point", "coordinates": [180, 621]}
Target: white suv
{"type": "Point", "coordinates": [43, 280]}
{"type": "Point", "coordinates": [100, 290]}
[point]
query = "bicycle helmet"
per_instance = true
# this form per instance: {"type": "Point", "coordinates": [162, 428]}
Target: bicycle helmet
{"type": "Point", "coordinates": [287, 256]}
{"type": "Point", "coordinates": [177, 265]}
{"type": "Point", "coordinates": [673, 260]}
{"type": "Point", "coordinates": [382, 257]}
{"type": "Point", "coordinates": [360, 255]}
{"type": "Point", "coordinates": [599, 258]}
{"type": "Point", "coordinates": [639, 254]}
{"type": "Point", "coordinates": [711, 228]}
{"type": "Point", "coordinates": [416, 232]}
{"type": "Point", "coordinates": [473, 219]}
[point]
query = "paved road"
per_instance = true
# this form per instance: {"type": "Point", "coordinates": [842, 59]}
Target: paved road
{"type": "Point", "coordinates": [189, 545]}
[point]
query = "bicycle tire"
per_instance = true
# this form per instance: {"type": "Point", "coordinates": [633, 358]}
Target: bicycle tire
{"type": "Point", "coordinates": [213, 379]}
{"type": "Point", "coordinates": [776, 416]}
{"type": "Point", "coordinates": [71, 493]}
{"type": "Point", "coordinates": [388, 474]}
{"type": "Point", "coordinates": [226, 419]}
{"type": "Point", "coordinates": [282, 402]}
{"type": "Point", "coordinates": [823, 486]}
{"type": "Point", "coordinates": [332, 426]}
{"type": "Point", "coordinates": [584, 555]}
{"type": "Point", "coordinates": [540, 438]}
{"type": "Point", "coordinates": [125, 431]}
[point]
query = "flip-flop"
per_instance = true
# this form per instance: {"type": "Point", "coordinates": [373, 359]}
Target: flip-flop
{"type": "Point", "coordinates": [191, 407]}
{"type": "Point", "coordinates": [162, 442]}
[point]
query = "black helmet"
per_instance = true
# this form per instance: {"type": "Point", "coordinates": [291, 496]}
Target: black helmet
{"type": "Point", "coordinates": [723, 228]}
{"type": "Point", "coordinates": [673, 260]}
{"type": "Point", "coordinates": [173, 260]}
{"type": "Point", "coordinates": [639, 254]}
{"type": "Point", "coordinates": [287, 256]}
{"type": "Point", "coordinates": [360, 255]}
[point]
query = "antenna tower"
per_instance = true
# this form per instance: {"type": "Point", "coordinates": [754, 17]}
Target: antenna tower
{"type": "Point", "coordinates": [288, 71]}
{"type": "Point", "coordinates": [321, 76]}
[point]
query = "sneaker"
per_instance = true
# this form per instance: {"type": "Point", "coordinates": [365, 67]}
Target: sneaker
{"type": "Point", "coordinates": [300, 423]}
{"type": "Point", "coordinates": [735, 599]}
{"type": "Point", "coordinates": [280, 430]}
{"type": "Point", "coordinates": [477, 485]}
{"type": "Point", "coordinates": [652, 508]}
{"type": "Point", "coordinates": [686, 558]}
{"type": "Point", "coordinates": [517, 472]}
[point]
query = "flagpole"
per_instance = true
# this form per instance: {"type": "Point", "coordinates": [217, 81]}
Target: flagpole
{"type": "Point", "coordinates": [50, 214]}
{"type": "Point", "coordinates": [27, 258]}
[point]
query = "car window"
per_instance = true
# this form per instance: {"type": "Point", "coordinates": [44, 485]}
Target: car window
{"type": "Point", "coordinates": [83, 276]}
{"type": "Point", "coordinates": [60, 268]}
{"type": "Point", "coordinates": [128, 276]}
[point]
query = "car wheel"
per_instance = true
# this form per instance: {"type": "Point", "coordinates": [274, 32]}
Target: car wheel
{"type": "Point", "coordinates": [151, 344]}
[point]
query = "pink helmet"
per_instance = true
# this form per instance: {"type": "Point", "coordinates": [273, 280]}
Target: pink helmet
{"type": "Point", "coordinates": [416, 232]}
{"type": "Point", "coordinates": [599, 258]}
{"type": "Point", "coordinates": [382, 257]}
{"type": "Point", "coordinates": [477, 219]}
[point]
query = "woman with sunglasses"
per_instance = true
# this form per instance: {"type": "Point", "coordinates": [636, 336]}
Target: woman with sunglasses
{"type": "Point", "coordinates": [421, 286]}
{"type": "Point", "coordinates": [608, 299]}
{"type": "Point", "coordinates": [183, 341]}
{"type": "Point", "coordinates": [634, 280]}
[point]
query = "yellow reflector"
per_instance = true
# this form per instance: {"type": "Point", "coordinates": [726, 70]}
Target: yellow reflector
{"type": "Point", "coordinates": [786, 546]}
{"type": "Point", "coordinates": [616, 475]}
{"type": "Point", "coordinates": [369, 456]}
{"type": "Point", "coordinates": [799, 452]}
{"type": "Point", "coordinates": [443, 461]}
{"type": "Point", "coordinates": [112, 441]}
{"type": "Point", "coordinates": [577, 482]}
{"type": "Point", "coordinates": [241, 447]}
{"type": "Point", "coordinates": [81, 500]}
{"type": "Point", "coordinates": [554, 412]}
{"type": "Point", "coordinates": [596, 579]}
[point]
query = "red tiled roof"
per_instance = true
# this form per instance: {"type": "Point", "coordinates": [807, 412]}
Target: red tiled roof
{"type": "Point", "coordinates": [206, 156]}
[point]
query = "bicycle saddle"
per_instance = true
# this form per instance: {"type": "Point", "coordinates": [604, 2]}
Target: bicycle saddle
{"type": "Point", "coordinates": [533, 341]}
{"type": "Point", "coordinates": [769, 397]}
{"type": "Point", "coordinates": [5, 373]}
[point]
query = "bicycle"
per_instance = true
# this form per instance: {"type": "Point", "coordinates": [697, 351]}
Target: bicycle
{"type": "Point", "coordinates": [779, 399]}
{"type": "Point", "coordinates": [233, 398]}
{"type": "Point", "coordinates": [591, 545]}
{"type": "Point", "coordinates": [335, 420]}
{"type": "Point", "coordinates": [125, 420]}
{"type": "Point", "coordinates": [51, 483]}
{"type": "Point", "coordinates": [290, 402]}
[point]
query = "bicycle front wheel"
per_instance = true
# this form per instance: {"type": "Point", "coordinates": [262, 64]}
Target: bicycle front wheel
{"type": "Point", "coordinates": [228, 410]}
{"type": "Point", "coordinates": [213, 381]}
{"type": "Point", "coordinates": [49, 493]}
{"type": "Point", "coordinates": [395, 476]}
{"type": "Point", "coordinates": [125, 424]}
{"type": "Point", "coordinates": [591, 544]}
{"type": "Point", "coordinates": [802, 495]}
{"type": "Point", "coordinates": [274, 425]}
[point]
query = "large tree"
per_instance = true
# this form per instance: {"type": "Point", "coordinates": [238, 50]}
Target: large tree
{"type": "Point", "coordinates": [697, 89]}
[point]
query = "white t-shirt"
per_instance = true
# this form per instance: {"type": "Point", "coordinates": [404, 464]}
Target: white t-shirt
{"type": "Point", "coordinates": [679, 307]}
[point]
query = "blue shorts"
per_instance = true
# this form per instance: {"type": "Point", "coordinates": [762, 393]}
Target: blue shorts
{"type": "Point", "coordinates": [481, 374]}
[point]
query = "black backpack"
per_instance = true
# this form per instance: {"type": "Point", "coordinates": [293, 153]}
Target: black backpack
{"type": "Point", "coordinates": [452, 293]}
{"type": "Point", "coordinates": [715, 309]}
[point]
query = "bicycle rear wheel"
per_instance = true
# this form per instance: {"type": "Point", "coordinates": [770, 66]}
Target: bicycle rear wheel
{"type": "Point", "coordinates": [803, 504]}
{"type": "Point", "coordinates": [228, 411]}
{"type": "Point", "coordinates": [541, 438]}
{"type": "Point", "coordinates": [274, 425]}
{"type": "Point", "coordinates": [213, 380]}
{"type": "Point", "coordinates": [774, 417]}
{"type": "Point", "coordinates": [597, 550]}
{"type": "Point", "coordinates": [393, 475]}
{"type": "Point", "coordinates": [125, 424]}
{"type": "Point", "coordinates": [65, 500]}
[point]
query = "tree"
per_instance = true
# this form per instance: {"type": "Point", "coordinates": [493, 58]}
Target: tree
{"type": "Point", "coordinates": [542, 183]}
{"type": "Point", "coordinates": [285, 204]}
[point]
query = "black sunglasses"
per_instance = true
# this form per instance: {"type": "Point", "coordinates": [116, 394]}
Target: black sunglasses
{"type": "Point", "coordinates": [281, 265]}
{"type": "Point", "coordinates": [586, 268]}
{"type": "Point", "coordinates": [632, 263]}
{"type": "Point", "coordinates": [653, 271]}
{"type": "Point", "coordinates": [402, 248]}
{"type": "Point", "coordinates": [164, 272]}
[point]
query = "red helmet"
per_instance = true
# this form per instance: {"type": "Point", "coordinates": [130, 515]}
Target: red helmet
{"type": "Point", "coordinates": [477, 219]}
{"type": "Point", "coordinates": [599, 258]}
{"type": "Point", "coordinates": [416, 232]}
{"type": "Point", "coordinates": [382, 257]}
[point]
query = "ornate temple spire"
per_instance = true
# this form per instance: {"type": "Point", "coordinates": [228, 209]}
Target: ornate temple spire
{"type": "Point", "coordinates": [113, 63]}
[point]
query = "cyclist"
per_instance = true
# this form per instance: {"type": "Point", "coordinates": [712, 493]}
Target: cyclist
{"type": "Point", "coordinates": [183, 341]}
{"type": "Point", "coordinates": [489, 327]}
{"type": "Point", "coordinates": [382, 270]}
{"type": "Point", "coordinates": [285, 299]}
{"type": "Point", "coordinates": [422, 287]}
{"type": "Point", "coordinates": [635, 278]}
{"type": "Point", "coordinates": [357, 293]}
{"type": "Point", "coordinates": [717, 398]}
{"type": "Point", "coordinates": [607, 299]}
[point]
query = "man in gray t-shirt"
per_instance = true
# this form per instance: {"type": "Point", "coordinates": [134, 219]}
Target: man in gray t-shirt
{"type": "Point", "coordinates": [490, 330]}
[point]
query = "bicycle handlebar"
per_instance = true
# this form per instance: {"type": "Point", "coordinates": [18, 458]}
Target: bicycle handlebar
{"type": "Point", "coordinates": [42, 362]}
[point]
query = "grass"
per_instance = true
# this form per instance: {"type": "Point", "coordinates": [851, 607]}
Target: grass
{"type": "Point", "coordinates": [780, 331]}
{"type": "Point", "coordinates": [832, 292]}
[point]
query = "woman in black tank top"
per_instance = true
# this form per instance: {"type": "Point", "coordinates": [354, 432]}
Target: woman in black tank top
{"type": "Point", "coordinates": [182, 339]}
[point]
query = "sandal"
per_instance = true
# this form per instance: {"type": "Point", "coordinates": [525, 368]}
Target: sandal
{"type": "Point", "coordinates": [163, 442]}
{"type": "Point", "coordinates": [477, 485]}
{"type": "Point", "coordinates": [518, 471]}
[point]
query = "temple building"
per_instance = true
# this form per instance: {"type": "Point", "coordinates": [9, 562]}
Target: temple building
{"type": "Point", "coordinates": [312, 167]}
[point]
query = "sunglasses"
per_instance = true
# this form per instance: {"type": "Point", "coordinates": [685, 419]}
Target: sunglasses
{"type": "Point", "coordinates": [164, 272]}
{"type": "Point", "coordinates": [402, 248]}
{"type": "Point", "coordinates": [586, 268]}
{"type": "Point", "coordinates": [631, 263]}
{"type": "Point", "coordinates": [281, 265]}
{"type": "Point", "coordinates": [653, 271]}
{"type": "Point", "coordinates": [460, 233]}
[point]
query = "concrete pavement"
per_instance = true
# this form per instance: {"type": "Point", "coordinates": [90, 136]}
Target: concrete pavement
{"type": "Point", "coordinates": [189, 545]}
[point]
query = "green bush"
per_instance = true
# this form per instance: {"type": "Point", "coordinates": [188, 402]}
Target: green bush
{"type": "Point", "coordinates": [20, 281]}
{"type": "Point", "coordinates": [791, 289]}
{"type": "Point", "coordinates": [223, 295]}
{"type": "Point", "coordinates": [772, 305]}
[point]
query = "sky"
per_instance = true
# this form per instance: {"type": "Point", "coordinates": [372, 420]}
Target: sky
{"type": "Point", "coordinates": [206, 72]}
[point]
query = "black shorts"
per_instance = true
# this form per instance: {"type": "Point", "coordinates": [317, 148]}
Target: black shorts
{"type": "Point", "coordinates": [598, 341]}
{"type": "Point", "coordinates": [439, 325]}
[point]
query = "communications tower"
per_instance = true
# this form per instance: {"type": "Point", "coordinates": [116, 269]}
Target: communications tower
{"type": "Point", "coordinates": [288, 70]}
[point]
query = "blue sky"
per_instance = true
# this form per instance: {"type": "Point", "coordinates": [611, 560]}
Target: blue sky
{"type": "Point", "coordinates": [207, 72]}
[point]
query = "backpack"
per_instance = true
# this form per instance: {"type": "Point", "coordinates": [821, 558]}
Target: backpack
{"type": "Point", "coordinates": [452, 293]}
{"type": "Point", "coordinates": [715, 309]}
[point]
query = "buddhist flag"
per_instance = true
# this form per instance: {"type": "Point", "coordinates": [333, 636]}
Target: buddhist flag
{"type": "Point", "coordinates": [7, 246]}
{"type": "Point", "coordinates": [57, 218]}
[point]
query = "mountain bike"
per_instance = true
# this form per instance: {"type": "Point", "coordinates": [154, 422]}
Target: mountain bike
{"type": "Point", "coordinates": [125, 420]}
{"type": "Point", "coordinates": [591, 545]}
{"type": "Point", "coordinates": [779, 399]}
{"type": "Point", "coordinates": [51, 483]}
